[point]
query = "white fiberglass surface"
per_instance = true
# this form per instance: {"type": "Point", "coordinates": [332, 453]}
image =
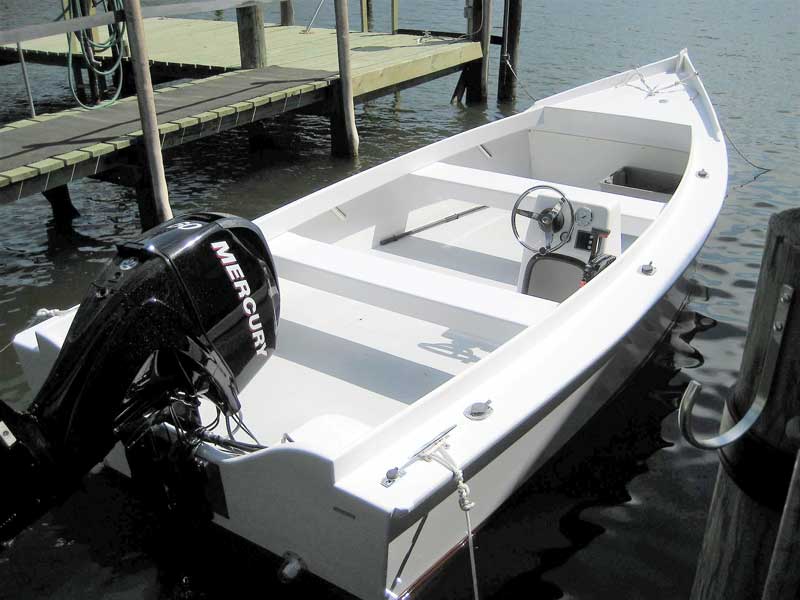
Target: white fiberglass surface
{"type": "Point", "coordinates": [479, 246]}
{"type": "Point", "coordinates": [338, 356]}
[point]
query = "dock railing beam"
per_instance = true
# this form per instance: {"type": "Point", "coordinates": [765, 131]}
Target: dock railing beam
{"type": "Point", "coordinates": [156, 209]}
{"type": "Point", "coordinates": [343, 126]}
{"type": "Point", "coordinates": [509, 51]}
{"type": "Point", "coordinates": [477, 73]}
{"type": "Point", "coordinates": [252, 42]}
{"type": "Point", "coordinates": [750, 550]}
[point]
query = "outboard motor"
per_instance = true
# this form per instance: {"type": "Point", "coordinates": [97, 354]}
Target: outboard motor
{"type": "Point", "coordinates": [189, 310]}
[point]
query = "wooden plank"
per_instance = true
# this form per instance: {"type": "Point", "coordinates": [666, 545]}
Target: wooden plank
{"type": "Point", "coordinates": [47, 165]}
{"type": "Point", "coordinates": [72, 157]}
{"type": "Point", "coordinates": [21, 123]}
{"type": "Point", "coordinates": [100, 149]}
{"type": "Point", "coordinates": [19, 173]}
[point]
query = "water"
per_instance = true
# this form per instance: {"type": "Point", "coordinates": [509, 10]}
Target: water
{"type": "Point", "coordinates": [620, 511]}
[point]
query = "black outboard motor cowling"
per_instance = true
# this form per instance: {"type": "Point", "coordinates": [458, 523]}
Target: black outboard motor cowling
{"type": "Point", "coordinates": [191, 307]}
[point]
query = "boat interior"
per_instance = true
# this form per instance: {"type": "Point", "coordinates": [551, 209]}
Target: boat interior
{"type": "Point", "coordinates": [396, 291]}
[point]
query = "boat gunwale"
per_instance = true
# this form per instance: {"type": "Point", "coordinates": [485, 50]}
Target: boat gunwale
{"type": "Point", "coordinates": [411, 425]}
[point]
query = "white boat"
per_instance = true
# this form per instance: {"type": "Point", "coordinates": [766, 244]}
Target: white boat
{"type": "Point", "coordinates": [419, 339]}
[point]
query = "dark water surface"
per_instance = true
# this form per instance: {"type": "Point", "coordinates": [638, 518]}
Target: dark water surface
{"type": "Point", "coordinates": [620, 512]}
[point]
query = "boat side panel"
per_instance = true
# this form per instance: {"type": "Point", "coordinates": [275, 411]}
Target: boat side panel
{"type": "Point", "coordinates": [283, 499]}
{"type": "Point", "coordinates": [444, 528]}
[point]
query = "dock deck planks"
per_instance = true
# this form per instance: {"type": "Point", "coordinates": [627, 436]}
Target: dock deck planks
{"type": "Point", "coordinates": [53, 149]}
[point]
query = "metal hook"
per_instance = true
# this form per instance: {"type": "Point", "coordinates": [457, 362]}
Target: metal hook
{"type": "Point", "coordinates": [762, 392]}
{"type": "Point", "coordinates": [723, 439]}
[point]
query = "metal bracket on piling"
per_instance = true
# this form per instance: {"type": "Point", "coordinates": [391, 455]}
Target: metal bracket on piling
{"type": "Point", "coordinates": [762, 392]}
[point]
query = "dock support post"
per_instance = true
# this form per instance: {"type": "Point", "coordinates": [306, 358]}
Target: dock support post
{"type": "Point", "coordinates": [755, 471]}
{"type": "Point", "coordinates": [287, 13]}
{"type": "Point", "coordinates": [344, 136]}
{"type": "Point", "coordinates": [509, 53]}
{"type": "Point", "coordinates": [395, 15]}
{"type": "Point", "coordinates": [63, 210]}
{"type": "Point", "coordinates": [783, 578]}
{"type": "Point", "coordinates": [364, 16]}
{"type": "Point", "coordinates": [252, 43]}
{"type": "Point", "coordinates": [77, 74]}
{"type": "Point", "coordinates": [87, 8]}
{"type": "Point", "coordinates": [477, 73]}
{"type": "Point", "coordinates": [159, 202]}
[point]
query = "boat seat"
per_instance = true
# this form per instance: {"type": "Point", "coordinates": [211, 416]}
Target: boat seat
{"type": "Point", "coordinates": [460, 304]}
{"type": "Point", "coordinates": [442, 181]}
{"type": "Point", "coordinates": [553, 276]}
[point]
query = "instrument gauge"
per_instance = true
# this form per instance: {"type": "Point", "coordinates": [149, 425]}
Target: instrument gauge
{"type": "Point", "coordinates": [583, 216]}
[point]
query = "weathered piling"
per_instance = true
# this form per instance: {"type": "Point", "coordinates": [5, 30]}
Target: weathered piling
{"type": "Point", "coordinates": [755, 471]}
{"type": "Point", "coordinates": [287, 13]}
{"type": "Point", "coordinates": [509, 51]}
{"type": "Point", "coordinates": [157, 205]}
{"type": "Point", "coordinates": [87, 8]}
{"type": "Point", "coordinates": [75, 48]}
{"type": "Point", "coordinates": [395, 15]}
{"type": "Point", "coordinates": [477, 74]}
{"type": "Point", "coordinates": [783, 578]}
{"type": "Point", "coordinates": [61, 204]}
{"type": "Point", "coordinates": [252, 43]}
{"type": "Point", "coordinates": [364, 16]}
{"type": "Point", "coordinates": [344, 135]}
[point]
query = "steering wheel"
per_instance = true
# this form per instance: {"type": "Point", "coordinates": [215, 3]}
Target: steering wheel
{"type": "Point", "coordinates": [551, 220]}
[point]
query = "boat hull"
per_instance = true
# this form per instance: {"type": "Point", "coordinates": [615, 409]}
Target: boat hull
{"type": "Point", "coordinates": [444, 532]}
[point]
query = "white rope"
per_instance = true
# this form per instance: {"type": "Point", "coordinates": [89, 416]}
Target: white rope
{"type": "Point", "coordinates": [316, 12]}
{"type": "Point", "coordinates": [650, 90]}
{"type": "Point", "coordinates": [50, 312]}
{"type": "Point", "coordinates": [514, 73]}
{"type": "Point", "coordinates": [440, 455]}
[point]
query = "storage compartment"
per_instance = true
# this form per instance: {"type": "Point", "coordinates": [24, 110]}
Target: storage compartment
{"type": "Point", "coordinates": [647, 184]}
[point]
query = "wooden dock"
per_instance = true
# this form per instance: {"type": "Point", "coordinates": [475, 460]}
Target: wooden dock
{"type": "Point", "coordinates": [51, 150]}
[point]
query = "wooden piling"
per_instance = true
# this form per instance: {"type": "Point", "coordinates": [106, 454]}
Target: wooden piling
{"type": "Point", "coordinates": [87, 8]}
{"type": "Point", "coordinates": [509, 52]}
{"type": "Point", "coordinates": [364, 16]}
{"type": "Point", "coordinates": [75, 47]}
{"type": "Point", "coordinates": [63, 210]}
{"type": "Point", "coordinates": [159, 202]}
{"type": "Point", "coordinates": [755, 471]}
{"type": "Point", "coordinates": [783, 578]}
{"type": "Point", "coordinates": [287, 13]}
{"type": "Point", "coordinates": [252, 42]}
{"type": "Point", "coordinates": [477, 73]}
{"type": "Point", "coordinates": [395, 15]}
{"type": "Point", "coordinates": [345, 143]}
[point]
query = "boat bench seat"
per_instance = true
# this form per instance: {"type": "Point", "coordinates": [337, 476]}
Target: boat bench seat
{"type": "Point", "coordinates": [500, 190]}
{"type": "Point", "coordinates": [460, 304]}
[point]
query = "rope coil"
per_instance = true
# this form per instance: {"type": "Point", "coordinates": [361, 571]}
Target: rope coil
{"type": "Point", "coordinates": [88, 48]}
